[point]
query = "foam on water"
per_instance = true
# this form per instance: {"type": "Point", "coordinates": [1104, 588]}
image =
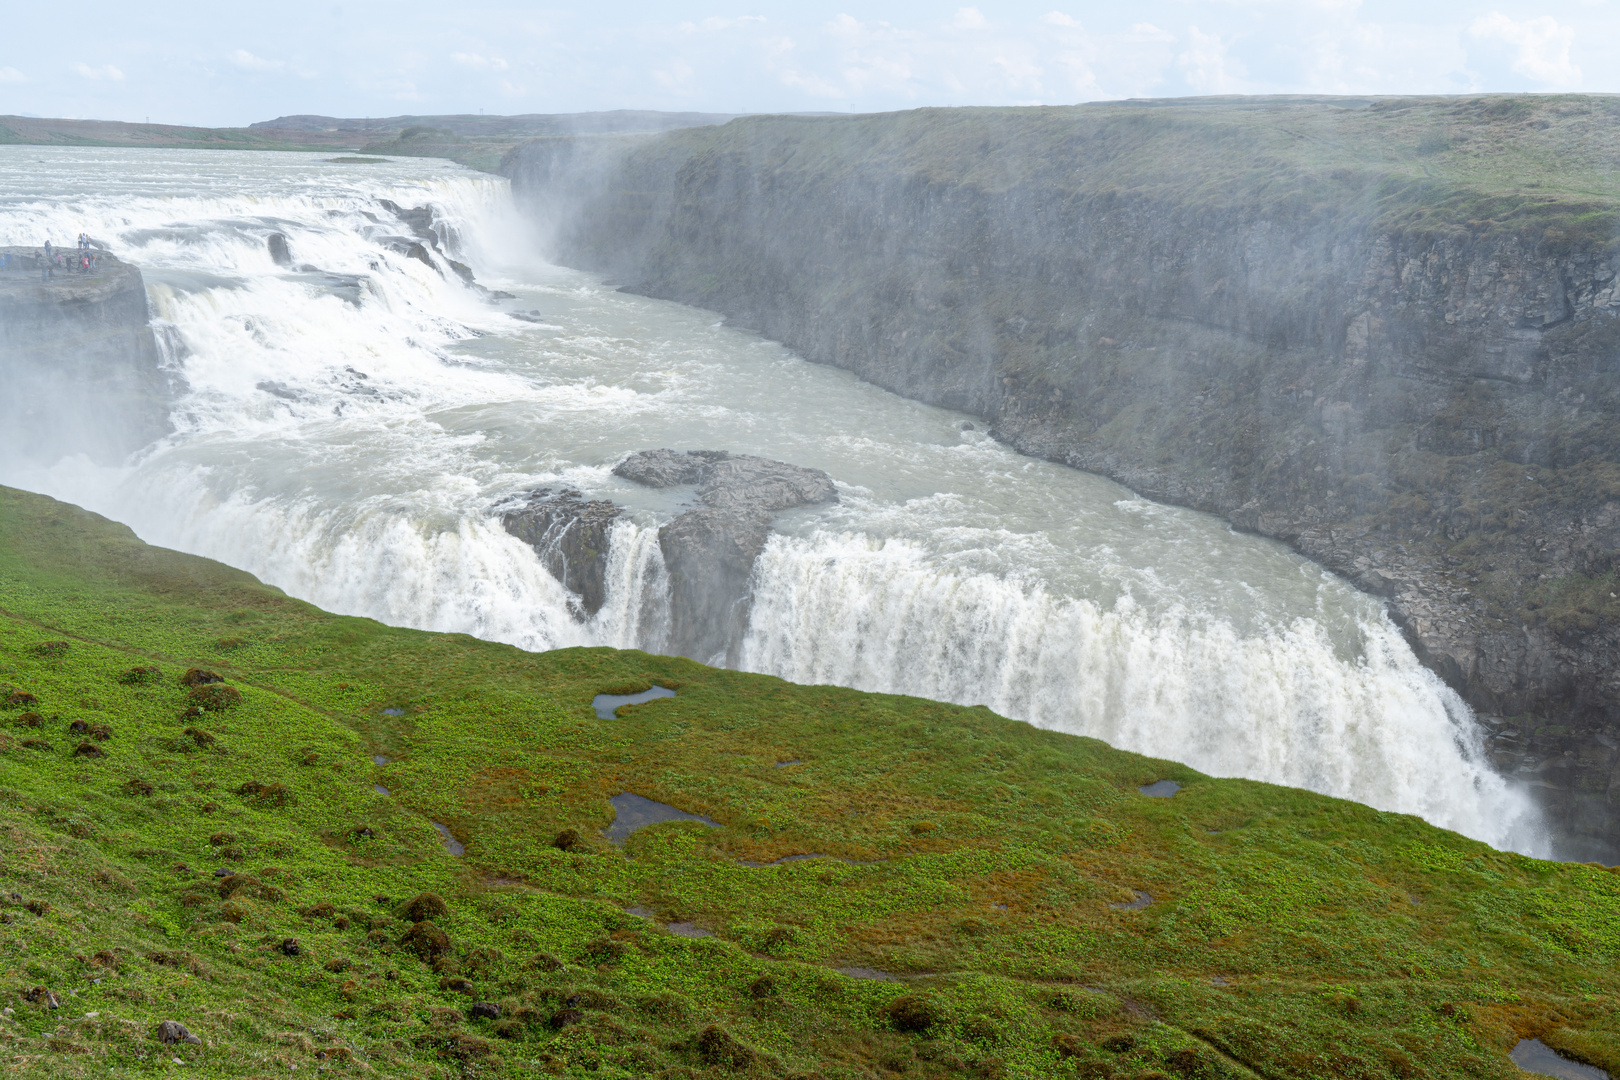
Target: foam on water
{"type": "Point", "coordinates": [345, 433]}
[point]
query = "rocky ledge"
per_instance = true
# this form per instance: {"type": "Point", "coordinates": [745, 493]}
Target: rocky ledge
{"type": "Point", "coordinates": [709, 550]}
{"type": "Point", "coordinates": [79, 366]}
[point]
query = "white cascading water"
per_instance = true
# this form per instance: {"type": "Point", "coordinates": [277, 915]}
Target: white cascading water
{"type": "Point", "coordinates": [349, 423]}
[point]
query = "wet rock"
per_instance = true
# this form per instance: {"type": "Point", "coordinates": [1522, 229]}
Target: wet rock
{"type": "Point", "coordinates": [668, 468]}
{"type": "Point", "coordinates": [279, 253]}
{"type": "Point", "coordinates": [172, 1031]}
{"type": "Point", "coordinates": [484, 1010]}
{"type": "Point", "coordinates": [570, 534]}
{"type": "Point", "coordinates": [291, 947]}
{"type": "Point", "coordinates": [419, 219]}
{"type": "Point", "coordinates": [79, 727]}
{"type": "Point", "coordinates": [709, 551]}
{"type": "Point", "coordinates": [89, 750]}
{"type": "Point", "coordinates": [411, 249]}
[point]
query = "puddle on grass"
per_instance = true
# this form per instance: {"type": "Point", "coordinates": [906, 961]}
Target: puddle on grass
{"type": "Point", "coordinates": [639, 912]}
{"type": "Point", "coordinates": [686, 929]}
{"type": "Point", "coordinates": [790, 858]}
{"type": "Point", "coordinates": [1160, 789]}
{"type": "Point", "coordinates": [606, 705]}
{"type": "Point", "coordinates": [379, 789]}
{"type": "Point", "coordinates": [1140, 900]}
{"type": "Point", "coordinates": [393, 712]}
{"type": "Point", "coordinates": [785, 764]}
{"type": "Point", "coordinates": [380, 759]}
{"type": "Point", "coordinates": [1533, 1055]}
{"type": "Point", "coordinates": [632, 812]}
{"type": "Point", "coordinates": [451, 844]}
{"type": "Point", "coordinates": [868, 973]}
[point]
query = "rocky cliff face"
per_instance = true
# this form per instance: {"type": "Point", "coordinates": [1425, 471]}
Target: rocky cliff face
{"type": "Point", "coordinates": [1325, 349]}
{"type": "Point", "coordinates": [79, 367]}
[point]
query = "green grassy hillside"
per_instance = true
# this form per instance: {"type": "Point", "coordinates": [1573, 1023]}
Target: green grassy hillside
{"type": "Point", "coordinates": [983, 866]}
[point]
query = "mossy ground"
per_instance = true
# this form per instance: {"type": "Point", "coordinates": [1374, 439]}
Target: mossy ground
{"type": "Point", "coordinates": [975, 859]}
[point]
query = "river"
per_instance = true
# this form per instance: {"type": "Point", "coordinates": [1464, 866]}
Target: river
{"type": "Point", "coordinates": [346, 426]}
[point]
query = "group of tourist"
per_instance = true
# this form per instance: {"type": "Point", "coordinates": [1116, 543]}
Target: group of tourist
{"type": "Point", "coordinates": [86, 261]}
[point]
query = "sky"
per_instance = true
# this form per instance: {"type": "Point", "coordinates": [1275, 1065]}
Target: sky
{"type": "Point", "coordinates": [229, 64]}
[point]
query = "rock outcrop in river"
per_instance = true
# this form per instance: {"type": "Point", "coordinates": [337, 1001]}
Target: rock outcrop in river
{"type": "Point", "coordinates": [708, 551]}
{"type": "Point", "coordinates": [1384, 331]}
{"type": "Point", "coordinates": [79, 366]}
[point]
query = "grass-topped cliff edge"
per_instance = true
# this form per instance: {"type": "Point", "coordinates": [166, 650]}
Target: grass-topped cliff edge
{"type": "Point", "coordinates": [987, 866]}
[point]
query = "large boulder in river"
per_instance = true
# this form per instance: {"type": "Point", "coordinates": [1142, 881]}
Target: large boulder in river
{"type": "Point", "coordinates": [570, 534]}
{"type": "Point", "coordinates": [710, 550]}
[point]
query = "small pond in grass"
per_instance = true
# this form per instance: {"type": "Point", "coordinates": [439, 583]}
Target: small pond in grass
{"type": "Point", "coordinates": [1535, 1056]}
{"type": "Point", "coordinates": [451, 844]}
{"type": "Point", "coordinates": [606, 705]}
{"type": "Point", "coordinates": [1160, 789]}
{"type": "Point", "coordinates": [632, 812]}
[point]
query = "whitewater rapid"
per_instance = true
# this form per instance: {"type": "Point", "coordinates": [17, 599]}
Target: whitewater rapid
{"type": "Point", "coordinates": [346, 426]}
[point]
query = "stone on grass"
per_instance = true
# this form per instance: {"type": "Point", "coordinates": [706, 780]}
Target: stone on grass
{"type": "Point", "coordinates": [172, 1031]}
{"type": "Point", "coordinates": [484, 1010]}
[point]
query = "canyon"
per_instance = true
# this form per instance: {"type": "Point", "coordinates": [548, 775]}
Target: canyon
{"type": "Point", "coordinates": [1382, 331]}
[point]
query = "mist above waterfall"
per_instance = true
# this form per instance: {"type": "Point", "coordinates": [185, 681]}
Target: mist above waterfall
{"type": "Point", "coordinates": [351, 423]}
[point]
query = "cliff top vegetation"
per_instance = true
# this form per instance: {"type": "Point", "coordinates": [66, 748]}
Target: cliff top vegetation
{"type": "Point", "coordinates": [1545, 166]}
{"type": "Point", "coordinates": [256, 858]}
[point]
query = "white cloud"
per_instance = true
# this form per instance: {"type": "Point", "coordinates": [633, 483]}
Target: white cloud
{"type": "Point", "coordinates": [248, 62]}
{"type": "Point", "coordinates": [969, 18]}
{"type": "Point", "coordinates": [11, 75]}
{"type": "Point", "coordinates": [1146, 31]}
{"type": "Point", "coordinates": [105, 72]}
{"type": "Point", "coordinates": [1057, 18]}
{"type": "Point", "coordinates": [1542, 43]}
{"type": "Point", "coordinates": [479, 63]}
{"type": "Point", "coordinates": [1207, 68]}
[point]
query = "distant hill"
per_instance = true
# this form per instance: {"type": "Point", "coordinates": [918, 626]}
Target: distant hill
{"type": "Point", "coordinates": [615, 122]}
